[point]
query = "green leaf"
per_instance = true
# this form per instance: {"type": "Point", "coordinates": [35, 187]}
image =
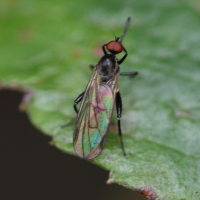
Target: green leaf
{"type": "Point", "coordinates": [46, 49]}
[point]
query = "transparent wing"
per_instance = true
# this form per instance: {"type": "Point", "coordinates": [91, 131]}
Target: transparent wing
{"type": "Point", "coordinates": [93, 120]}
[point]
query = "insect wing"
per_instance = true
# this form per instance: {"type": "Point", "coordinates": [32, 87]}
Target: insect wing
{"type": "Point", "coordinates": [93, 120]}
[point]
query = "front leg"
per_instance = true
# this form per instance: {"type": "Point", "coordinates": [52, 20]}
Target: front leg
{"type": "Point", "coordinates": [124, 57]}
{"type": "Point", "coordinates": [119, 112]}
{"type": "Point", "coordinates": [104, 50]}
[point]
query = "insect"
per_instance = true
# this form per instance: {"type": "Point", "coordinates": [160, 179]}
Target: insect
{"type": "Point", "coordinates": [98, 100]}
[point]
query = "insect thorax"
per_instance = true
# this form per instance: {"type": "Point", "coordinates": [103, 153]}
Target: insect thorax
{"type": "Point", "coordinates": [108, 66]}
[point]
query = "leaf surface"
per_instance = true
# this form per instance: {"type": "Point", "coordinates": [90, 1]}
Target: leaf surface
{"type": "Point", "coordinates": [46, 49]}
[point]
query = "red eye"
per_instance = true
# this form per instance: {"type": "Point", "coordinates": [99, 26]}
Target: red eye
{"type": "Point", "coordinates": [114, 46]}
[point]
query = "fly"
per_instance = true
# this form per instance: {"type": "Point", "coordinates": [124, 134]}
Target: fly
{"type": "Point", "coordinates": [98, 100]}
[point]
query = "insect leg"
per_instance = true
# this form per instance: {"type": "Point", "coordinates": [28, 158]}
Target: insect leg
{"type": "Point", "coordinates": [119, 112]}
{"type": "Point", "coordinates": [68, 123]}
{"type": "Point", "coordinates": [92, 67]}
{"type": "Point", "coordinates": [124, 57]}
{"type": "Point", "coordinates": [104, 50]}
{"type": "Point", "coordinates": [78, 99]}
{"type": "Point", "coordinates": [132, 74]}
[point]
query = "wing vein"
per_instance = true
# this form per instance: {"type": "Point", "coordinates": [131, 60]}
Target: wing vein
{"type": "Point", "coordinates": [94, 117]}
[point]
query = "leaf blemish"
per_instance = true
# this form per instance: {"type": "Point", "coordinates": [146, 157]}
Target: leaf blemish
{"type": "Point", "coordinates": [25, 100]}
{"type": "Point", "coordinates": [51, 143]}
{"type": "Point", "coordinates": [110, 180]}
{"type": "Point", "coordinates": [180, 113]}
{"type": "Point", "coordinates": [108, 157]}
{"type": "Point", "coordinates": [148, 192]}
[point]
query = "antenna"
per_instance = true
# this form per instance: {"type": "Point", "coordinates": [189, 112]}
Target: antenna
{"type": "Point", "coordinates": [113, 33]}
{"type": "Point", "coordinates": [125, 29]}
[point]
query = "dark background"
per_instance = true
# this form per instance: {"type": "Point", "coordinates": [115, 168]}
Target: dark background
{"type": "Point", "coordinates": [32, 169]}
